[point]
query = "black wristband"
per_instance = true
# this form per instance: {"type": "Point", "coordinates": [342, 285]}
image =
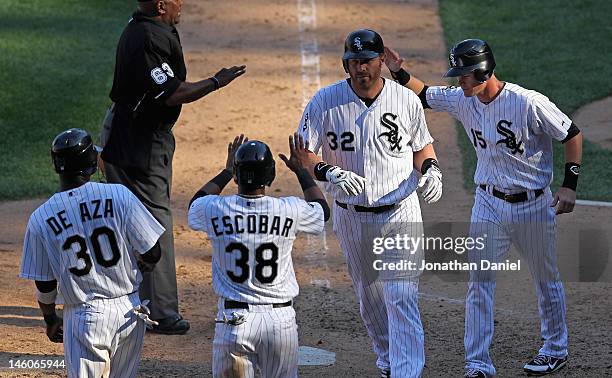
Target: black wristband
{"type": "Point", "coordinates": [428, 163]}
{"type": "Point", "coordinates": [305, 179]}
{"type": "Point", "coordinates": [215, 82]}
{"type": "Point", "coordinates": [222, 178]}
{"type": "Point", "coordinates": [50, 319]}
{"type": "Point", "coordinates": [320, 170]}
{"type": "Point", "coordinates": [402, 76]}
{"type": "Point", "coordinates": [572, 170]}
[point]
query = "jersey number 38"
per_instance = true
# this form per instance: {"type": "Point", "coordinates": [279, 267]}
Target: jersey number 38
{"type": "Point", "coordinates": [261, 262]}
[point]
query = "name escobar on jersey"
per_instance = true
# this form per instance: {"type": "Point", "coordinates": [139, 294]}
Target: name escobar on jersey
{"type": "Point", "coordinates": [453, 265]}
{"type": "Point", "coordinates": [252, 224]}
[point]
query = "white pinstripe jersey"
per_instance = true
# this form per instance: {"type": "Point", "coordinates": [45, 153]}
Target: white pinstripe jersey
{"type": "Point", "coordinates": [252, 239]}
{"type": "Point", "coordinates": [512, 135]}
{"type": "Point", "coordinates": [376, 142]}
{"type": "Point", "coordinates": [85, 238]}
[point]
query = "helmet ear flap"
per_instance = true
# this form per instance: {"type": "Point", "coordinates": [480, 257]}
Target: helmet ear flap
{"type": "Point", "coordinates": [271, 173]}
{"type": "Point", "coordinates": [482, 75]}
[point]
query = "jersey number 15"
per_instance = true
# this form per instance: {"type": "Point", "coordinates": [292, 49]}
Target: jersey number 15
{"type": "Point", "coordinates": [261, 262]}
{"type": "Point", "coordinates": [477, 139]}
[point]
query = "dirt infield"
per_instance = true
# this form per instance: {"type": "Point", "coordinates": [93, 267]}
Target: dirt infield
{"type": "Point", "coordinates": [266, 104]}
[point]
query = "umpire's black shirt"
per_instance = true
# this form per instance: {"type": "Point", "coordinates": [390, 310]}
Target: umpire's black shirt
{"type": "Point", "coordinates": [149, 68]}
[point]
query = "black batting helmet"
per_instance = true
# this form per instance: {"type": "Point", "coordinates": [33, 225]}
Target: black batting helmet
{"type": "Point", "coordinates": [471, 55]}
{"type": "Point", "coordinates": [74, 153]}
{"type": "Point", "coordinates": [254, 165]}
{"type": "Point", "coordinates": [362, 44]}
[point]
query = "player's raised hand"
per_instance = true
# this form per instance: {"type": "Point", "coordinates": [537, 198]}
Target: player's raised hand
{"type": "Point", "coordinates": [299, 155]}
{"type": "Point", "coordinates": [227, 75]}
{"type": "Point", "coordinates": [564, 200]}
{"type": "Point", "coordinates": [393, 60]}
{"type": "Point", "coordinates": [231, 150]}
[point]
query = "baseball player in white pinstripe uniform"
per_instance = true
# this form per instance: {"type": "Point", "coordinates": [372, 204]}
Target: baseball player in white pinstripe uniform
{"type": "Point", "coordinates": [252, 236]}
{"type": "Point", "coordinates": [374, 140]}
{"type": "Point", "coordinates": [512, 129]}
{"type": "Point", "coordinates": [90, 238]}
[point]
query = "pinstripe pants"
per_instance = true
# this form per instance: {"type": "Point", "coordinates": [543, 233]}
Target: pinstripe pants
{"type": "Point", "coordinates": [103, 338]}
{"type": "Point", "coordinates": [266, 342]}
{"type": "Point", "coordinates": [531, 226]}
{"type": "Point", "coordinates": [388, 301]}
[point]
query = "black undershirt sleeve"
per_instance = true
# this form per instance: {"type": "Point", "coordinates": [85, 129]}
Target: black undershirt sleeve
{"type": "Point", "coordinates": [423, 96]}
{"type": "Point", "coordinates": [571, 132]}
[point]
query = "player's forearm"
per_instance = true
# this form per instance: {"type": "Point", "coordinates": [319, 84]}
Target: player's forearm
{"type": "Point", "coordinates": [214, 186]}
{"type": "Point", "coordinates": [312, 193]}
{"type": "Point", "coordinates": [415, 85]}
{"type": "Point", "coordinates": [309, 187]}
{"type": "Point", "coordinates": [409, 81]}
{"type": "Point", "coordinates": [189, 92]}
{"type": "Point", "coordinates": [311, 164]}
{"type": "Point", "coordinates": [573, 149]}
{"type": "Point", "coordinates": [419, 157]}
{"type": "Point", "coordinates": [47, 309]}
{"type": "Point", "coordinates": [573, 159]}
{"type": "Point", "coordinates": [153, 255]}
{"type": "Point", "coordinates": [46, 293]}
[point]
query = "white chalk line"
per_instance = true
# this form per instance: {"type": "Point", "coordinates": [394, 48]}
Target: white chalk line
{"type": "Point", "coordinates": [311, 82]}
{"type": "Point", "coordinates": [593, 203]}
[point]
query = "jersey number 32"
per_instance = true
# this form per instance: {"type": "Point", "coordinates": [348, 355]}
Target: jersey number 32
{"type": "Point", "coordinates": [261, 262]}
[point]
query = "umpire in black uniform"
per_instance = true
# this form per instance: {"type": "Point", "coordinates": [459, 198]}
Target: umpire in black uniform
{"type": "Point", "coordinates": [148, 89]}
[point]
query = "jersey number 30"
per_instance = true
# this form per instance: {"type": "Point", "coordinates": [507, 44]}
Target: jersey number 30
{"type": "Point", "coordinates": [95, 242]}
{"type": "Point", "coordinates": [261, 262]}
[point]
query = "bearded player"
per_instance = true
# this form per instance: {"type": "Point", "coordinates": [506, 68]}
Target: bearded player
{"type": "Point", "coordinates": [376, 153]}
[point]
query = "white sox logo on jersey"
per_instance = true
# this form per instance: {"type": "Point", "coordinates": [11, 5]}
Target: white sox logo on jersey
{"type": "Point", "coordinates": [358, 43]}
{"type": "Point", "coordinates": [393, 137]}
{"type": "Point", "coordinates": [510, 137]}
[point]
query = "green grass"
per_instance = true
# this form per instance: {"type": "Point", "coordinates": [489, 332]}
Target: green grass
{"type": "Point", "coordinates": [560, 48]}
{"type": "Point", "coordinates": [57, 60]}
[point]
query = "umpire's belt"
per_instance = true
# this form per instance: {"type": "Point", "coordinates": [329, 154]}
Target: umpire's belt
{"type": "Point", "coordinates": [512, 198]}
{"type": "Point", "coordinates": [229, 304]}
{"type": "Point", "coordinates": [363, 209]}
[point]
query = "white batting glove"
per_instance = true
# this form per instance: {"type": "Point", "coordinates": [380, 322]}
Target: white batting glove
{"type": "Point", "coordinates": [351, 183]}
{"type": "Point", "coordinates": [143, 312]}
{"type": "Point", "coordinates": [431, 184]}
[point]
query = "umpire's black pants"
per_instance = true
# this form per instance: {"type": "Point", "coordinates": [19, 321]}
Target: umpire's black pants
{"type": "Point", "coordinates": [153, 189]}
